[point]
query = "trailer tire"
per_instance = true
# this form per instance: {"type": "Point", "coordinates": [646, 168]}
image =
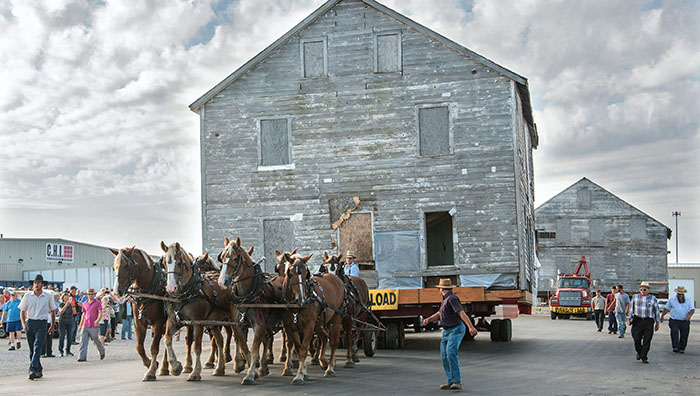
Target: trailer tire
{"type": "Point", "coordinates": [391, 336]}
{"type": "Point", "coordinates": [496, 330]}
{"type": "Point", "coordinates": [369, 343]}
{"type": "Point", "coordinates": [554, 315]}
{"type": "Point", "coordinates": [506, 330]}
{"type": "Point", "coordinates": [402, 334]}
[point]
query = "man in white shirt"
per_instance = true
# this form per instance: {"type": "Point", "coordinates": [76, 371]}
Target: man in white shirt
{"type": "Point", "coordinates": [681, 310]}
{"type": "Point", "coordinates": [36, 306]}
{"type": "Point", "coordinates": [351, 269]}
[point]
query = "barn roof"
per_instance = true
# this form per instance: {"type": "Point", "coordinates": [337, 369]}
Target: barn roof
{"type": "Point", "coordinates": [521, 81]}
{"type": "Point", "coordinates": [585, 180]}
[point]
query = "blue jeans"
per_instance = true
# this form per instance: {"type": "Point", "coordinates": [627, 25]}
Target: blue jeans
{"type": "Point", "coordinates": [126, 326]}
{"type": "Point", "coordinates": [74, 329]}
{"type": "Point", "coordinates": [36, 336]}
{"type": "Point", "coordinates": [621, 322]}
{"type": "Point", "coordinates": [449, 351]}
{"type": "Point", "coordinates": [64, 332]}
{"type": "Point", "coordinates": [679, 333]}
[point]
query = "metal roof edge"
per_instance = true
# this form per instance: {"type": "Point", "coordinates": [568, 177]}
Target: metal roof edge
{"type": "Point", "coordinates": [54, 239]}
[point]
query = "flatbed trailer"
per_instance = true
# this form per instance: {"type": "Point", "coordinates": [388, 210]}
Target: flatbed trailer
{"type": "Point", "coordinates": [399, 309]}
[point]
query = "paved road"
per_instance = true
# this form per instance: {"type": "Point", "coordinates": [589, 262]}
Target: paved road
{"type": "Point", "coordinates": [563, 357]}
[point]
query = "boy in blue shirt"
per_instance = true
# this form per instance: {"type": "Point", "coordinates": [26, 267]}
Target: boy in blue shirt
{"type": "Point", "coordinates": [11, 313]}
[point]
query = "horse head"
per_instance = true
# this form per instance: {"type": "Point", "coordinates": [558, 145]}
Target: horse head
{"type": "Point", "coordinates": [205, 263]}
{"type": "Point", "coordinates": [179, 265]}
{"type": "Point", "coordinates": [333, 262]}
{"type": "Point", "coordinates": [281, 262]}
{"type": "Point", "coordinates": [125, 269]}
{"type": "Point", "coordinates": [296, 274]}
{"type": "Point", "coordinates": [233, 259]}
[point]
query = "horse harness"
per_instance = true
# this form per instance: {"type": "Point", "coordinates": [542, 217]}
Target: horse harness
{"type": "Point", "coordinates": [191, 291]}
{"type": "Point", "coordinates": [256, 294]}
{"type": "Point", "coordinates": [156, 288]}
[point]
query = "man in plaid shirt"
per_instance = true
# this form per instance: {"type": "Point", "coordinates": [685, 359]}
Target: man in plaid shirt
{"type": "Point", "coordinates": [643, 316]}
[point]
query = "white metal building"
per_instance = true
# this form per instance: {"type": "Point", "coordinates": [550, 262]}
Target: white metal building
{"type": "Point", "coordinates": [687, 275]}
{"type": "Point", "coordinates": [74, 263]}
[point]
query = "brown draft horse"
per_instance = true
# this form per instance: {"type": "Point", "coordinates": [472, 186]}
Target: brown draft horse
{"type": "Point", "coordinates": [197, 298]}
{"type": "Point", "coordinates": [357, 295]}
{"type": "Point", "coordinates": [249, 285]}
{"type": "Point", "coordinates": [316, 294]}
{"type": "Point", "coordinates": [135, 267]}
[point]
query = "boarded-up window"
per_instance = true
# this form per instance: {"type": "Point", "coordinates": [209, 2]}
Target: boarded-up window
{"type": "Point", "coordinates": [313, 55]}
{"type": "Point", "coordinates": [638, 228]}
{"type": "Point", "coordinates": [584, 197]}
{"type": "Point", "coordinates": [434, 130]}
{"type": "Point", "coordinates": [387, 53]}
{"type": "Point", "coordinates": [596, 230]}
{"type": "Point", "coordinates": [356, 235]}
{"type": "Point", "coordinates": [639, 268]}
{"type": "Point", "coordinates": [274, 142]}
{"type": "Point", "coordinates": [278, 234]}
{"type": "Point", "coordinates": [563, 230]}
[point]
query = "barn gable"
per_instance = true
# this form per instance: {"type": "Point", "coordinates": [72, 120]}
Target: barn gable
{"type": "Point", "coordinates": [327, 10]}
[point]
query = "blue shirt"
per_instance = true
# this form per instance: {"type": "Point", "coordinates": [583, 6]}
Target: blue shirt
{"type": "Point", "coordinates": [352, 270]}
{"type": "Point", "coordinates": [12, 309]}
{"type": "Point", "coordinates": [679, 311]}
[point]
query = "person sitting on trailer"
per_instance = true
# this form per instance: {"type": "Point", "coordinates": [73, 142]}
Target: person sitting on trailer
{"type": "Point", "coordinates": [452, 318]}
{"type": "Point", "coordinates": [351, 268]}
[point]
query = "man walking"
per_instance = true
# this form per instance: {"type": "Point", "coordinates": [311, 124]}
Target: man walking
{"type": "Point", "coordinates": [598, 306]}
{"type": "Point", "coordinates": [452, 318]}
{"type": "Point", "coordinates": [75, 300]}
{"type": "Point", "coordinates": [622, 301]}
{"type": "Point", "coordinates": [89, 326]}
{"type": "Point", "coordinates": [127, 318]}
{"type": "Point", "coordinates": [36, 306]}
{"type": "Point", "coordinates": [11, 313]}
{"type": "Point", "coordinates": [681, 310]}
{"type": "Point", "coordinates": [610, 311]}
{"type": "Point", "coordinates": [644, 319]}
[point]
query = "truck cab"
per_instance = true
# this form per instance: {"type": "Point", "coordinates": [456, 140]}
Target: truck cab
{"type": "Point", "coordinates": [573, 294]}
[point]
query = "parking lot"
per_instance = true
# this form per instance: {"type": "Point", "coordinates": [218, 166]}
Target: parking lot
{"type": "Point", "coordinates": [563, 357]}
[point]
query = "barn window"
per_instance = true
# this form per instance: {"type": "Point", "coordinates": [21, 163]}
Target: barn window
{"type": "Point", "coordinates": [314, 58]}
{"type": "Point", "coordinates": [439, 239]}
{"type": "Point", "coordinates": [387, 52]}
{"type": "Point", "coordinates": [434, 130]}
{"type": "Point", "coordinates": [638, 228]}
{"type": "Point", "coordinates": [584, 197]}
{"type": "Point", "coordinates": [274, 142]}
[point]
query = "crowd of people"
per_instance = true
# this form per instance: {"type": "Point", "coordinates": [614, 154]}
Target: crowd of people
{"type": "Point", "coordinates": [642, 313]}
{"type": "Point", "coordinates": [78, 317]}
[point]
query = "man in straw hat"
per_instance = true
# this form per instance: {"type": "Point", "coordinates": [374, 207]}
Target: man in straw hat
{"type": "Point", "coordinates": [453, 321]}
{"type": "Point", "coordinates": [681, 309]}
{"type": "Point", "coordinates": [89, 326]}
{"type": "Point", "coordinates": [351, 269]}
{"type": "Point", "coordinates": [36, 307]}
{"type": "Point", "coordinates": [644, 318]}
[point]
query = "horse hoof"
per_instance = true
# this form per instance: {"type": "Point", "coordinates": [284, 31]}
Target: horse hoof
{"type": "Point", "coordinates": [264, 371]}
{"type": "Point", "coordinates": [349, 365]}
{"type": "Point", "coordinates": [248, 381]}
{"type": "Point", "coordinates": [163, 372]}
{"type": "Point", "coordinates": [323, 364]}
{"type": "Point", "coordinates": [176, 369]}
{"type": "Point", "coordinates": [329, 374]}
{"type": "Point", "coordinates": [194, 378]}
{"type": "Point", "coordinates": [148, 378]}
{"type": "Point", "coordinates": [298, 381]}
{"type": "Point", "coordinates": [238, 369]}
{"type": "Point", "coordinates": [209, 365]}
{"type": "Point", "coordinates": [218, 373]}
{"type": "Point", "coordinates": [187, 370]}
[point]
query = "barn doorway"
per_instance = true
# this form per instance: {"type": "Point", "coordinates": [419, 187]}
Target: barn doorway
{"type": "Point", "coordinates": [438, 230]}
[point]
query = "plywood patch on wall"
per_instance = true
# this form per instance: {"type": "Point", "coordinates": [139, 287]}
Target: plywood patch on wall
{"type": "Point", "coordinates": [356, 235]}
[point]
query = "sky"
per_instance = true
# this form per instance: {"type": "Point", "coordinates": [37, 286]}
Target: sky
{"type": "Point", "coordinates": [98, 145]}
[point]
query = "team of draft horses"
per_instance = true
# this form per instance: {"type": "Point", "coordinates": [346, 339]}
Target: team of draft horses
{"type": "Point", "coordinates": [203, 295]}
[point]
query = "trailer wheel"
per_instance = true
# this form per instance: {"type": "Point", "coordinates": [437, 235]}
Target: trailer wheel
{"type": "Point", "coordinates": [506, 330]}
{"type": "Point", "coordinates": [402, 334]}
{"type": "Point", "coordinates": [391, 336]}
{"type": "Point", "coordinates": [369, 343]}
{"type": "Point", "coordinates": [495, 330]}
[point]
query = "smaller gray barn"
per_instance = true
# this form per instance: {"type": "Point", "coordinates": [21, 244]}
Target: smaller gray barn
{"type": "Point", "coordinates": [622, 244]}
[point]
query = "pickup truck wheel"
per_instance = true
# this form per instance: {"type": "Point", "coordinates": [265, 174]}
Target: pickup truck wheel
{"type": "Point", "coordinates": [496, 330]}
{"type": "Point", "coordinates": [554, 315]}
{"type": "Point", "coordinates": [369, 343]}
{"type": "Point", "coordinates": [506, 330]}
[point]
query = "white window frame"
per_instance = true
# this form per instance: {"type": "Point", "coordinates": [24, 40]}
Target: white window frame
{"type": "Point", "coordinates": [451, 109]}
{"type": "Point", "coordinates": [325, 54]}
{"type": "Point", "coordinates": [290, 165]}
{"type": "Point", "coordinates": [376, 49]}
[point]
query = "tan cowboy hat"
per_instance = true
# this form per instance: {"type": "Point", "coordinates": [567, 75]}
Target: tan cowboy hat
{"type": "Point", "coordinates": [351, 254]}
{"type": "Point", "coordinates": [644, 284]}
{"type": "Point", "coordinates": [90, 291]}
{"type": "Point", "coordinates": [680, 290]}
{"type": "Point", "coordinates": [445, 283]}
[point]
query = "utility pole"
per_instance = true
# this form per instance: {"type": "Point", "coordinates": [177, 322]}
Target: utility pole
{"type": "Point", "coordinates": [676, 215]}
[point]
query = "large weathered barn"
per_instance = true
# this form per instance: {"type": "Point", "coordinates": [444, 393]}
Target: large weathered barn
{"type": "Point", "coordinates": [622, 244]}
{"type": "Point", "coordinates": [363, 130]}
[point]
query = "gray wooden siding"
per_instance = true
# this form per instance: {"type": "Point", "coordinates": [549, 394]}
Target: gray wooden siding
{"type": "Point", "coordinates": [622, 245]}
{"type": "Point", "coordinates": [355, 133]}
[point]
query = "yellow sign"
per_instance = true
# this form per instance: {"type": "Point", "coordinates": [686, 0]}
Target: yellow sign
{"type": "Point", "coordinates": [383, 299]}
{"type": "Point", "coordinates": [570, 310]}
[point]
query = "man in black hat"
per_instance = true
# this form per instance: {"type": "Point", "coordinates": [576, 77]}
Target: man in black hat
{"type": "Point", "coordinates": [36, 307]}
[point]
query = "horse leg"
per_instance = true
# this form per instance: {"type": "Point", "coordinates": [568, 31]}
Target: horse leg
{"type": "Point", "coordinates": [155, 346]}
{"type": "Point", "coordinates": [176, 367]}
{"type": "Point", "coordinates": [196, 374]}
{"type": "Point", "coordinates": [321, 351]}
{"type": "Point", "coordinates": [355, 339]}
{"type": "Point", "coordinates": [189, 336]}
{"type": "Point", "coordinates": [212, 353]}
{"type": "Point", "coordinates": [252, 375]}
{"type": "Point", "coordinates": [140, 341]}
{"type": "Point", "coordinates": [283, 347]}
{"type": "Point", "coordinates": [349, 338]}
{"type": "Point", "coordinates": [227, 346]}
{"type": "Point", "coordinates": [269, 354]}
{"type": "Point", "coordinates": [240, 336]}
{"type": "Point", "coordinates": [334, 335]}
{"type": "Point", "coordinates": [292, 338]}
{"type": "Point", "coordinates": [218, 340]}
{"type": "Point", "coordinates": [302, 374]}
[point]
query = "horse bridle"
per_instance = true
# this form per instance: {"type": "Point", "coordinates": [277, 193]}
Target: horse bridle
{"type": "Point", "coordinates": [299, 265]}
{"type": "Point", "coordinates": [179, 262]}
{"type": "Point", "coordinates": [130, 268]}
{"type": "Point", "coordinates": [237, 265]}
